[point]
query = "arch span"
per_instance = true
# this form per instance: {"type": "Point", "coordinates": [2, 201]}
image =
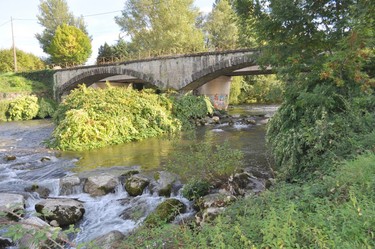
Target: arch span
{"type": "Point", "coordinates": [181, 72]}
{"type": "Point", "coordinates": [92, 76]}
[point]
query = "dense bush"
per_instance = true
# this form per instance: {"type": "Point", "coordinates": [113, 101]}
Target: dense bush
{"type": "Point", "coordinates": [25, 61]}
{"type": "Point", "coordinates": [318, 124]}
{"type": "Point", "coordinates": [335, 212]}
{"type": "Point", "coordinates": [261, 89]}
{"type": "Point", "coordinates": [90, 118]}
{"type": "Point", "coordinates": [4, 105]}
{"type": "Point", "coordinates": [47, 108]}
{"type": "Point", "coordinates": [189, 107]}
{"type": "Point", "coordinates": [23, 108]}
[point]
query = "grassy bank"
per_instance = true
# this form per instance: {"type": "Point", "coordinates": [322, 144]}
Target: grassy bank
{"type": "Point", "coordinates": [336, 211]}
{"type": "Point", "coordinates": [26, 95]}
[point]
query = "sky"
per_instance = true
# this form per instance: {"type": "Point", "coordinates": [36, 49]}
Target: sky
{"type": "Point", "coordinates": [98, 15]}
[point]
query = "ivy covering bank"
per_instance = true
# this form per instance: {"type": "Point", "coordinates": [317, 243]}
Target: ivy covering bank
{"type": "Point", "coordinates": [91, 118]}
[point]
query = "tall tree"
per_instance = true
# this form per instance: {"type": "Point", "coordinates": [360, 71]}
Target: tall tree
{"type": "Point", "coordinates": [25, 61]}
{"type": "Point", "coordinates": [162, 26]}
{"type": "Point", "coordinates": [324, 50]}
{"type": "Point", "coordinates": [54, 13]}
{"type": "Point", "coordinates": [221, 26]}
{"type": "Point", "coordinates": [69, 46]}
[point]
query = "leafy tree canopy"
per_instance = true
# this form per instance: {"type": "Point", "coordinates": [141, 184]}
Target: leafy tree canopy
{"type": "Point", "coordinates": [221, 26]}
{"type": "Point", "coordinates": [69, 45]}
{"type": "Point", "coordinates": [25, 61]}
{"type": "Point", "coordinates": [162, 26]}
{"type": "Point", "coordinates": [54, 13]}
{"type": "Point", "coordinates": [324, 51]}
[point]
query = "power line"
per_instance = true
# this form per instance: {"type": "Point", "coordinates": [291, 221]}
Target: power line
{"type": "Point", "coordinates": [89, 15]}
{"type": "Point", "coordinates": [104, 13]}
{"type": "Point", "coordinates": [5, 23]}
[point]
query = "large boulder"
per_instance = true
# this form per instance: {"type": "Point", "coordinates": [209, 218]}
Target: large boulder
{"type": "Point", "coordinates": [165, 212]}
{"type": "Point", "coordinates": [63, 211]}
{"type": "Point", "coordinates": [69, 185]}
{"type": "Point", "coordinates": [135, 184]}
{"type": "Point", "coordinates": [164, 183]}
{"type": "Point", "coordinates": [111, 240]}
{"type": "Point", "coordinates": [12, 204]}
{"type": "Point", "coordinates": [101, 184]}
{"type": "Point", "coordinates": [245, 184]}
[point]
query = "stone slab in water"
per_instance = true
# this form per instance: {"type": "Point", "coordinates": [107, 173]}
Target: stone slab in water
{"type": "Point", "coordinates": [11, 202]}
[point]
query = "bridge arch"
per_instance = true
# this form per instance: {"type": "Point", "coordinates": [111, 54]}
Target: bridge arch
{"type": "Point", "coordinates": [94, 75]}
{"type": "Point", "coordinates": [222, 68]}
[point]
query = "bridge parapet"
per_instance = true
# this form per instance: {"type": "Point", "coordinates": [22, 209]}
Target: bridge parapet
{"type": "Point", "coordinates": [179, 72]}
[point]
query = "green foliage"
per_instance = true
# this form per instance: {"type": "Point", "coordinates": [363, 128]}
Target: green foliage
{"type": "Point", "coordinates": [189, 107]}
{"type": "Point", "coordinates": [317, 126]}
{"type": "Point", "coordinates": [25, 61]}
{"type": "Point", "coordinates": [23, 108]}
{"type": "Point", "coordinates": [261, 89]}
{"type": "Point", "coordinates": [206, 162]}
{"type": "Point", "coordinates": [336, 211]}
{"type": "Point", "coordinates": [165, 212]}
{"type": "Point", "coordinates": [47, 108]}
{"type": "Point", "coordinates": [15, 83]}
{"type": "Point", "coordinates": [120, 51]}
{"type": "Point", "coordinates": [54, 13]}
{"type": "Point", "coordinates": [195, 189]}
{"type": "Point", "coordinates": [221, 27]}
{"type": "Point", "coordinates": [162, 27]}
{"type": "Point", "coordinates": [4, 106]}
{"type": "Point", "coordinates": [69, 46]}
{"type": "Point", "coordinates": [91, 118]}
{"type": "Point", "coordinates": [235, 90]}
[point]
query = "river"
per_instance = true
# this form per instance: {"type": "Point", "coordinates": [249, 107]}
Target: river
{"type": "Point", "coordinates": [35, 164]}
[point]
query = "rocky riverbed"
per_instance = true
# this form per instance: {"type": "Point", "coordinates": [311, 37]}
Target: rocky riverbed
{"type": "Point", "coordinates": [41, 190]}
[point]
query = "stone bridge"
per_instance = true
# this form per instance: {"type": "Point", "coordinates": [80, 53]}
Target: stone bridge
{"type": "Point", "coordinates": [180, 72]}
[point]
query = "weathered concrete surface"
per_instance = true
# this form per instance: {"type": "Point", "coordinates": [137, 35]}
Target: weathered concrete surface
{"type": "Point", "coordinates": [183, 72]}
{"type": "Point", "coordinates": [218, 91]}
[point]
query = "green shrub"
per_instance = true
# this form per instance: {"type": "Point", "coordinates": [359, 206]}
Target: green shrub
{"type": "Point", "coordinates": [189, 107]}
{"type": "Point", "coordinates": [47, 108]}
{"type": "Point", "coordinates": [318, 124]}
{"type": "Point", "coordinates": [23, 108]}
{"type": "Point", "coordinates": [195, 189]}
{"type": "Point", "coordinates": [91, 118]}
{"type": "Point", "coordinates": [4, 106]}
{"type": "Point", "coordinates": [261, 89]}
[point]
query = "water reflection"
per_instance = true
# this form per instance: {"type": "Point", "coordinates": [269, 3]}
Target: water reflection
{"type": "Point", "coordinates": [151, 153]}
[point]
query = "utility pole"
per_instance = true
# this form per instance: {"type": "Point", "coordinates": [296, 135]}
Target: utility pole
{"type": "Point", "coordinates": [14, 47]}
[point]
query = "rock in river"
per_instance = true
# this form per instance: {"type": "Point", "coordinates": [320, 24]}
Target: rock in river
{"type": "Point", "coordinates": [164, 183]}
{"type": "Point", "coordinates": [64, 211]}
{"type": "Point", "coordinates": [165, 212]}
{"type": "Point", "coordinates": [101, 184]}
{"type": "Point", "coordinates": [135, 184]}
{"type": "Point", "coordinates": [12, 204]}
{"type": "Point", "coordinates": [69, 185]}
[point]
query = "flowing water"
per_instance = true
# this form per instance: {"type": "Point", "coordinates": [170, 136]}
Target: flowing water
{"type": "Point", "coordinates": [34, 164]}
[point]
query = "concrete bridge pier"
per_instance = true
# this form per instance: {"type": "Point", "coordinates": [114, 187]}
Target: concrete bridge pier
{"type": "Point", "coordinates": [218, 91]}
